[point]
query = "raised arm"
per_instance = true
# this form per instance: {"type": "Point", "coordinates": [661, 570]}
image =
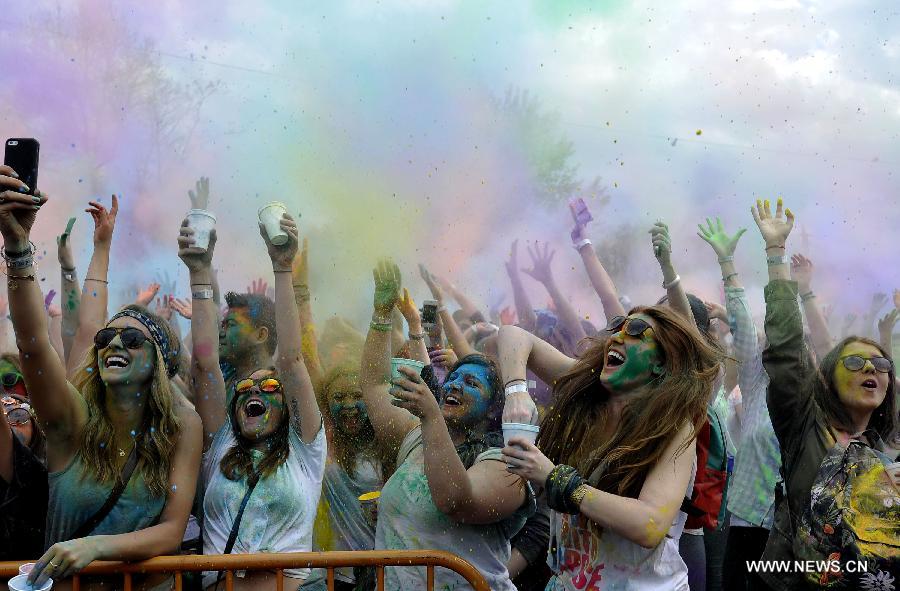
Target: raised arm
{"type": "Point", "coordinates": [886, 329]}
{"type": "Point", "coordinates": [455, 336]}
{"type": "Point", "coordinates": [300, 396]}
{"type": "Point", "coordinates": [599, 278]}
{"type": "Point", "coordinates": [71, 290]}
{"type": "Point", "coordinates": [391, 423]}
{"type": "Point", "coordinates": [465, 303]}
{"type": "Point", "coordinates": [662, 248]}
{"type": "Point", "coordinates": [527, 317]}
{"type": "Point", "coordinates": [54, 330]}
{"type": "Point", "coordinates": [485, 493]}
{"type": "Point", "coordinates": [60, 411]}
{"type": "Point", "coordinates": [802, 272]}
{"type": "Point", "coordinates": [302, 296]}
{"type": "Point", "coordinates": [416, 333]}
{"type": "Point", "coordinates": [207, 382]}
{"type": "Point", "coordinates": [520, 350]}
{"type": "Point", "coordinates": [95, 295]}
{"type": "Point", "coordinates": [542, 272]}
{"type": "Point", "coordinates": [785, 359]}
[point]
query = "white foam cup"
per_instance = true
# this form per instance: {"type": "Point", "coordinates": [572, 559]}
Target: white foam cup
{"type": "Point", "coordinates": [20, 583]}
{"type": "Point", "coordinates": [202, 222]}
{"type": "Point", "coordinates": [523, 430]}
{"type": "Point", "coordinates": [270, 216]}
{"type": "Point", "coordinates": [396, 362]}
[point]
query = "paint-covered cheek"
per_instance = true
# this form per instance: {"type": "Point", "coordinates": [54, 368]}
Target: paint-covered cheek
{"type": "Point", "coordinates": [480, 401]}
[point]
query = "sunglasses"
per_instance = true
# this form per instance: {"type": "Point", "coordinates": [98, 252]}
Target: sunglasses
{"type": "Point", "coordinates": [131, 337]}
{"type": "Point", "coordinates": [10, 379]}
{"type": "Point", "coordinates": [268, 385]}
{"type": "Point", "coordinates": [17, 413]}
{"type": "Point", "coordinates": [634, 327]}
{"type": "Point", "coordinates": [857, 362]}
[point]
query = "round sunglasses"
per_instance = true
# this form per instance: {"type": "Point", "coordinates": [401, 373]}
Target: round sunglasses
{"type": "Point", "coordinates": [17, 413]}
{"type": "Point", "coordinates": [10, 379]}
{"type": "Point", "coordinates": [634, 327]}
{"type": "Point", "coordinates": [857, 362]}
{"type": "Point", "coordinates": [268, 385]}
{"type": "Point", "coordinates": [131, 337]}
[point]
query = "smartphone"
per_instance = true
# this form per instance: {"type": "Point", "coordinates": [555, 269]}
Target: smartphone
{"type": "Point", "coordinates": [580, 212]}
{"type": "Point", "coordinates": [22, 156]}
{"type": "Point", "coordinates": [429, 312]}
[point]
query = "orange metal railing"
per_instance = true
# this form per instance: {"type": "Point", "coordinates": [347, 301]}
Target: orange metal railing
{"type": "Point", "coordinates": [278, 562]}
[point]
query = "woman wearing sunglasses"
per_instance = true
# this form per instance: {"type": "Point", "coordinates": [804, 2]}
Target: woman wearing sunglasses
{"type": "Point", "coordinates": [119, 410]}
{"type": "Point", "coordinates": [615, 452]}
{"type": "Point", "coordinates": [837, 500]}
{"type": "Point", "coordinates": [265, 452]}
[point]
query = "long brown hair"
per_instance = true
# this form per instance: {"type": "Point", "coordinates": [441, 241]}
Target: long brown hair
{"type": "Point", "coordinates": [158, 434]}
{"type": "Point", "coordinates": [572, 431]}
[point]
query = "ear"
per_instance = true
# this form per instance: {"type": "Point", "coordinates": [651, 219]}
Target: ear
{"type": "Point", "coordinates": [262, 334]}
{"type": "Point", "coordinates": [658, 369]}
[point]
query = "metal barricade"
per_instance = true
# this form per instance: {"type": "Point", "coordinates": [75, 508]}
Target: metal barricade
{"type": "Point", "coordinates": [278, 562]}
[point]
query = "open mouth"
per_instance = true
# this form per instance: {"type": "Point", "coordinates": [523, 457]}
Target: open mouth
{"type": "Point", "coordinates": [870, 384]}
{"type": "Point", "coordinates": [116, 361]}
{"type": "Point", "coordinates": [254, 408]}
{"type": "Point", "coordinates": [451, 400]}
{"type": "Point", "coordinates": [614, 358]}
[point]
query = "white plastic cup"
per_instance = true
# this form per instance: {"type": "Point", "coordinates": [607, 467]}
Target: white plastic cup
{"type": "Point", "coordinates": [396, 362]}
{"type": "Point", "coordinates": [523, 430]}
{"type": "Point", "coordinates": [25, 569]}
{"type": "Point", "coordinates": [270, 216]}
{"type": "Point", "coordinates": [20, 583]}
{"type": "Point", "coordinates": [202, 222]}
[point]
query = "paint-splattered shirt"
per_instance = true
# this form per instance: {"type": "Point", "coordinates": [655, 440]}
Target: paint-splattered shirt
{"type": "Point", "coordinates": [409, 520]}
{"type": "Point", "coordinates": [280, 513]}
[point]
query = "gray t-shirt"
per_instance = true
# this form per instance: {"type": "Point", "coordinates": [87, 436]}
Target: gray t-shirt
{"type": "Point", "coordinates": [409, 520]}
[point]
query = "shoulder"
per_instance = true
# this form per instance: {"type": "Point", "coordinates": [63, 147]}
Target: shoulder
{"type": "Point", "coordinates": [190, 426]}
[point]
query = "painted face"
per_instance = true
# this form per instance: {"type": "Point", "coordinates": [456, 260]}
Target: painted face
{"type": "Point", "coordinates": [630, 361]}
{"type": "Point", "coordinates": [466, 395]}
{"type": "Point", "coordinates": [346, 406]}
{"type": "Point", "coordinates": [862, 390]}
{"type": "Point", "coordinates": [11, 380]}
{"type": "Point", "coordinates": [236, 335]}
{"type": "Point", "coordinates": [24, 430]}
{"type": "Point", "coordinates": [258, 413]}
{"type": "Point", "coordinates": [121, 365]}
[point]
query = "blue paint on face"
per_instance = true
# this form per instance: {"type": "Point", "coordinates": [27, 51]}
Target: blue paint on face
{"type": "Point", "coordinates": [470, 384]}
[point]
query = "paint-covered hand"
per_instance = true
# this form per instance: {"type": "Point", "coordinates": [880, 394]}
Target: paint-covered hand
{"type": "Point", "coordinates": [104, 220]}
{"type": "Point", "coordinates": [715, 236]}
{"type": "Point", "coordinates": [146, 295]}
{"type": "Point", "coordinates": [200, 195]}
{"type": "Point", "coordinates": [183, 307]}
{"type": "Point", "coordinates": [433, 287]}
{"type": "Point", "coordinates": [195, 259]}
{"type": "Point", "coordinates": [64, 247]}
{"type": "Point", "coordinates": [414, 395]}
{"type": "Point", "coordinates": [520, 408]}
{"type": "Point", "coordinates": [526, 460]}
{"type": "Point", "coordinates": [18, 210]}
{"type": "Point", "coordinates": [775, 229]}
{"type": "Point", "coordinates": [387, 287]}
{"type": "Point", "coordinates": [540, 263]}
{"type": "Point", "coordinates": [445, 358]}
{"type": "Point", "coordinates": [64, 559]}
{"type": "Point", "coordinates": [283, 256]}
{"type": "Point", "coordinates": [407, 307]}
{"type": "Point", "coordinates": [662, 243]}
{"type": "Point", "coordinates": [886, 325]}
{"type": "Point", "coordinates": [300, 268]}
{"type": "Point", "coordinates": [802, 272]}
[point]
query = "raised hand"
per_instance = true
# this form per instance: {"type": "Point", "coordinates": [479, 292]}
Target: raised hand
{"type": "Point", "coordinates": [662, 243]}
{"type": "Point", "coordinates": [64, 247]}
{"type": "Point", "coordinates": [436, 291]}
{"type": "Point", "coordinates": [167, 282]}
{"type": "Point", "coordinates": [195, 259]}
{"type": "Point", "coordinates": [774, 229]}
{"type": "Point", "coordinates": [886, 325]}
{"type": "Point", "coordinates": [446, 358]}
{"type": "Point", "coordinates": [104, 220]}
{"type": "Point", "coordinates": [411, 393]}
{"type": "Point", "coordinates": [407, 307]}
{"type": "Point", "coordinates": [897, 298]}
{"type": "Point", "coordinates": [300, 268]}
{"type": "Point", "coordinates": [258, 287]}
{"type": "Point", "coordinates": [801, 272]}
{"type": "Point", "coordinates": [849, 321]}
{"type": "Point", "coordinates": [540, 263]}
{"type": "Point", "coordinates": [387, 287]}
{"type": "Point", "coordinates": [183, 307]}
{"type": "Point", "coordinates": [146, 295]}
{"type": "Point", "coordinates": [200, 195]}
{"type": "Point", "coordinates": [878, 301]}
{"type": "Point", "coordinates": [18, 210]}
{"type": "Point", "coordinates": [283, 256]}
{"type": "Point", "coordinates": [163, 307]}
{"type": "Point", "coordinates": [715, 236]}
{"type": "Point", "coordinates": [512, 265]}
{"type": "Point", "coordinates": [54, 311]}
{"type": "Point", "coordinates": [716, 311]}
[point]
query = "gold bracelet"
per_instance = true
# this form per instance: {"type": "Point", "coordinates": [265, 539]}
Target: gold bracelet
{"type": "Point", "coordinates": [578, 494]}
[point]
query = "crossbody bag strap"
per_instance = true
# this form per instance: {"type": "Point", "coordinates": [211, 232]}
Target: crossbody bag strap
{"type": "Point", "coordinates": [94, 520]}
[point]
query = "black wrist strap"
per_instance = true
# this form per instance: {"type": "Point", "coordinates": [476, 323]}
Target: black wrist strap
{"type": "Point", "coordinates": [94, 520]}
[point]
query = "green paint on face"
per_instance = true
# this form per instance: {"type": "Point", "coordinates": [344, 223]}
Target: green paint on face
{"type": "Point", "coordinates": [638, 367]}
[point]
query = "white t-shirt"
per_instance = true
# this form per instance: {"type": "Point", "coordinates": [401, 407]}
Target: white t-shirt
{"type": "Point", "coordinates": [280, 513]}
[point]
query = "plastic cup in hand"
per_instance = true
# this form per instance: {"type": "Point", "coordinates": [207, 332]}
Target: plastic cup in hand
{"type": "Point", "coordinates": [270, 217]}
{"type": "Point", "coordinates": [369, 503]}
{"type": "Point", "coordinates": [397, 362]}
{"type": "Point", "coordinates": [202, 222]}
{"type": "Point", "coordinates": [20, 583]}
{"type": "Point", "coordinates": [523, 430]}
{"type": "Point", "coordinates": [25, 569]}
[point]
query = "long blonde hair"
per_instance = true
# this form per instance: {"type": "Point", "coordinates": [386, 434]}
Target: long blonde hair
{"type": "Point", "coordinates": [157, 436]}
{"type": "Point", "coordinates": [572, 431]}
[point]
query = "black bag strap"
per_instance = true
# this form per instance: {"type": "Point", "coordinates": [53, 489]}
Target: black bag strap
{"type": "Point", "coordinates": [232, 535]}
{"type": "Point", "coordinates": [94, 520]}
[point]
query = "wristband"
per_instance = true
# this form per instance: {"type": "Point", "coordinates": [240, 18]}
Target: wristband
{"type": "Point", "coordinates": [381, 326]}
{"type": "Point", "coordinates": [807, 296]}
{"type": "Point", "coordinates": [728, 259]}
{"type": "Point", "coordinates": [416, 336]}
{"type": "Point", "coordinates": [202, 294]}
{"type": "Point", "coordinates": [514, 388]}
{"type": "Point", "coordinates": [578, 495]}
{"type": "Point", "coordinates": [20, 263]}
{"type": "Point", "coordinates": [781, 246]}
{"type": "Point", "coordinates": [582, 243]}
{"type": "Point", "coordinates": [64, 270]}
{"type": "Point", "coordinates": [69, 275]}
{"type": "Point", "coordinates": [560, 486]}
{"type": "Point", "coordinates": [513, 382]}
{"type": "Point", "coordinates": [673, 283]}
{"type": "Point", "coordinates": [97, 280]}
{"type": "Point", "coordinates": [772, 261]}
{"type": "Point", "coordinates": [729, 276]}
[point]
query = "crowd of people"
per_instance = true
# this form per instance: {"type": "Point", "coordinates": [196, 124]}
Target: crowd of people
{"type": "Point", "coordinates": [675, 444]}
